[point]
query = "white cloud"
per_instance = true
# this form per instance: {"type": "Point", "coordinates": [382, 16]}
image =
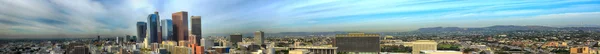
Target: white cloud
{"type": "Point", "coordinates": [70, 18]}
{"type": "Point", "coordinates": [117, 18]}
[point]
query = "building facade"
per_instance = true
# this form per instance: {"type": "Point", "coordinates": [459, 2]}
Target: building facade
{"type": "Point", "coordinates": [357, 43]}
{"type": "Point", "coordinates": [426, 45]}
{"type": "Point", "coordinates": [259, 37]}
{"type": "Point", "coordinates": [197, 28]}
{"type": "Point", "coordinates": [141, 31]}
{"type": "Point", "coordinates": [235, 38]}
{"type": "Point", "coordinates": [580, 50]}
{"type": "Point", "coordinates": [153, 27]}
{"type": "Point", "coordinates": [180, 25]}
{"type": "Point", "coordinates": [317, 49]}
{"type": "Point", "coordinates": [167, 30]}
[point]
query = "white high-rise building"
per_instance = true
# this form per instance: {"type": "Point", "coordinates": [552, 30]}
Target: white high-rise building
{"type": "Point", "coordinates": [259, 37]}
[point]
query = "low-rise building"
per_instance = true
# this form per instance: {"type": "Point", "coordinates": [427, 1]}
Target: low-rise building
{"type": "Point", "coordinates": [439, 52]}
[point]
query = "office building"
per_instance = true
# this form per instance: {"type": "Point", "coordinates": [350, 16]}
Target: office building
{"type": "Point", "coordinates": [299, 51]}
{"type": "Point", "coordinates": [235, 38]}
{"type": "Point", "coordinates": [154, 46]}
{"type": "Point", "coordinates": [419, 45]}
{"type": "Point", "coordinates": [182, 50]}
{"type": "Point", "coordinates": [207, 43]}
{"type": "Point", "coordinates": [127, 38]}
{"type": "Point", "coordinates": [197, 28]}
{"type": "Point", "coordinates": [439, 52]}
{"type": "Point", "coordinates": [318, 49]}
{"type": "Point", "coordinates": [163, 51]}
{"type": "Point", "coordinates": [77, 48]}
{"type": "Point", "coordinates": [192, 40]}
{"type": "Point", "coordinates": [117, 39]}
{"type": "Point", "coordinates": [193, 44]}
{"type": "Point", "coordinates": [199, 50]}
{"type": "Point", "coordinates": [580, 50]}
{"type": "Point", "coordinates": [141, 31]}
{"type": "Point", "coordinates": [259, 37]}
{"type": "Point", "coordinates": [180, 25]}
{"type": "Point", "coordinates": [153, 27]}
{"type": "Point", "coordinates": [221, 49]}
{"type": "Point", "coordinates": [98, 38]}
{"type": "Point", "coordinates": [357, 43]}
{"type": "Point", "coordinates": [167, 30]}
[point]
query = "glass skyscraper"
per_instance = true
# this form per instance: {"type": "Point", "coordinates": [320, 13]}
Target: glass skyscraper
{"type": "Point", "coordinates": [180, 25]}
{"type": "Point", "coordinates": [141, 31]}
{"type": "Point", "coordinates": [153, 27]}
{"type": "Point", "coordinates": [197, 28]}
{"type": "Point", "coordinates": [167, 30]}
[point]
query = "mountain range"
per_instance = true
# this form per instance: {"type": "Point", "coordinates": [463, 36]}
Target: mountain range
{"type": "Point", "coordinates": [508, 28]}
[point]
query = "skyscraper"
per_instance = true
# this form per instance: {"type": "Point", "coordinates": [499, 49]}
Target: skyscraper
{"type": "Point", "coordinates": [98, 39]}
{"type": "Point", "coordinates": [197, 28]}
{"type": "Point", "coordinates": [180, 25]}
{"type": "Point", "coordinates": [141, 31]}
{"type": "Point", "coordinates": [259, 37]}
{"type": "Point", "coordinates": [357, 43]}
{"type": "Point", "coordinates": [167, 30]}
{"type": "Point", "coordinates": [128, 38]}
{"type": "Point", "coordinates": [153, 27]}
{"type": "Point", "coordinates": [235, 38]}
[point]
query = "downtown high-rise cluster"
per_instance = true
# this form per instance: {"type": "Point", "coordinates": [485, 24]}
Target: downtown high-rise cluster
{"type": "Point", "coordinates": [174, 36]}
{"type": "Point", "coordinates": [170, 34]}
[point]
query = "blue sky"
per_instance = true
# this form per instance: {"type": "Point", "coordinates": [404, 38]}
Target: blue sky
{"type": "Point", "coordinates": [88, 18]}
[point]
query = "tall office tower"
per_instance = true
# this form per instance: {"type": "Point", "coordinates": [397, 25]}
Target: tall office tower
{"type": "Point", "coordinates": [141, 31]}
{"type": "Point", "coordinates": [180, 25]}
{"type": "Point", "coordinates": [133, 38]}
{"type": "Point", "coordinates": [167, 30]}
{"type": "Point", "coordinates": [426, 45]}
{"type": "Point", "coordinates": [117, 40]}
{"type": "Point", "coordinates": [127, 38]}
{"type": "Point", "coordinates": [197, 28]}
{"type": "Point", "coordinates": [357, 43]}
{"type": "Point", "coordinates": [98, 39]}
{"type": "Point", "coordinates": [235, 38]}
{"type": "Point", "coordinates": [152, 27]}
{"type": "Point", "coordinates": [259, 37]}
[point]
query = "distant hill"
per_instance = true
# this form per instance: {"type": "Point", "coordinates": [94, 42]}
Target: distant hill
{"type": "Point", "coordinates": [508, 28]}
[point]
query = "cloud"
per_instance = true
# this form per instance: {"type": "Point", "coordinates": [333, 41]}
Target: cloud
{"type": "Point", "coordinates": [87, 18]}
{"type": "Point", "coordinates": [68, 19]}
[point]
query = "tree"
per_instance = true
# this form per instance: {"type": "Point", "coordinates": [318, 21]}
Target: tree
{"type": "Point", "coordinates": [482, 52]}
{"type": "Point", "coordinates": [467, 50]}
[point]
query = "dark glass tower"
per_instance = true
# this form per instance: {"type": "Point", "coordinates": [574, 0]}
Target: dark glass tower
{"type": "Point", "coordinates": [153, 27]}
{"type": "Point", "coordinates": [235, 38]}
{"type": "Point", "coordinates": [141, 31]}
{"type": "Point", "coordinates": [197, 28]}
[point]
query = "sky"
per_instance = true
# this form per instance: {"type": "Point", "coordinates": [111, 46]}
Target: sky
{"type": "Point", "coordinates": [111, 18]}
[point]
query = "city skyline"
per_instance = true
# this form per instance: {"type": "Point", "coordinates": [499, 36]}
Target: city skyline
{"type": "Point", "coordinates": [89, 18]}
